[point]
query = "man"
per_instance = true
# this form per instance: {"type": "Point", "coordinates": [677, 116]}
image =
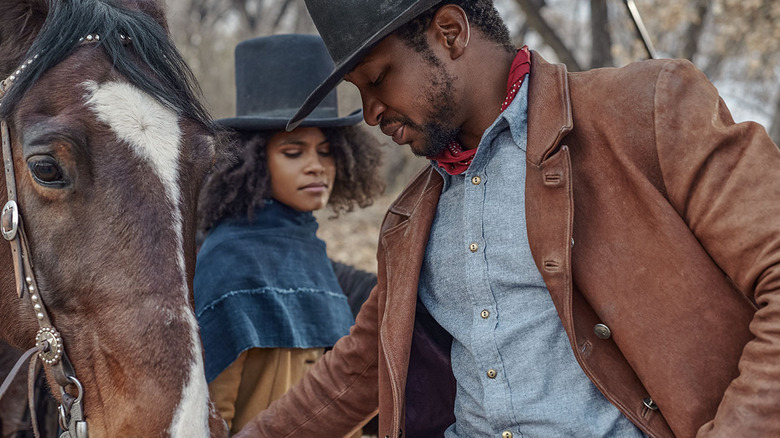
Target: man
{"type": "Point", "coordinates": [589, 254]}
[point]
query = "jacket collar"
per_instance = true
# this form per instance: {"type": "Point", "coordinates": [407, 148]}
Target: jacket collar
{"type": "Point", "coordinates": [549, 108]}
{"type": "Point", "coordinates": [549, 120]}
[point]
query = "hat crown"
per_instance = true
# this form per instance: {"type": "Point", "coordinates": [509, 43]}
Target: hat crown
{"type": "Point", "coordinates": [275, 74]}
{"type": "Point", "coordinates": [366, 17]}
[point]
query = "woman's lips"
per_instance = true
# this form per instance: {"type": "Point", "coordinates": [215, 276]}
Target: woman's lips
{"type": "Point", "coordinates": [315, 187]}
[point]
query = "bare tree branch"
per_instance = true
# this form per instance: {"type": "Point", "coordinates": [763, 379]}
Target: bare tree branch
{"type": "Point", "coordinates": [534, 18]}
{"type": "Point", "coordinates": [280, 15]}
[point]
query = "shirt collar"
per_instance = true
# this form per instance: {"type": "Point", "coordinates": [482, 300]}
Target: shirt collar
{"type": "Point", "coordinates": [515, 117]}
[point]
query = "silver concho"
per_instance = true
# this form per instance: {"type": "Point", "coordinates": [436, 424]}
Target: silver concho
{"type": "Point", "coordinates": [49, 345]}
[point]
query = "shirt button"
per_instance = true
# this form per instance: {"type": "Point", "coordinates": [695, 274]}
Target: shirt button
{"type": "Point", "coordinates": [474, 247]}
{"type": "Point", "coordinates": [485, 314]}
{"type": "Point", "coordinates": [476, 180]}
{"type": "Point", "coordinates": [506, 434]}
{"type": "Point", "coordinates": [492, 374]}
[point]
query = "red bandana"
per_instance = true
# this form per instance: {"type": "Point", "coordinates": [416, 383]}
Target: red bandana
{"type": "Point", "coordinates": [453, 159]}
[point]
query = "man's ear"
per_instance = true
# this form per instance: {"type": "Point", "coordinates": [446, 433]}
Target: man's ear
{"type": "Point", "coordinates": [450, 27]}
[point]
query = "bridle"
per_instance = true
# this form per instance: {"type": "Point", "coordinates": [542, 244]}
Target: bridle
{"type": "Point", "coordinates": [48, 342]}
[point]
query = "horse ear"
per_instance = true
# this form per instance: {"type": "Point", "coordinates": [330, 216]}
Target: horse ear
{"type": "Point", "coordinates": [21, 22]}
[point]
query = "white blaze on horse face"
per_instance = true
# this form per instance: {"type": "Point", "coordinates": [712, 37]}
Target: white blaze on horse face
{"type": "Point", "coordinates": [153, 133]}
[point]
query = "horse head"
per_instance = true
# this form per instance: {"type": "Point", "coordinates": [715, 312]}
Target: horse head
{"type": "Point", "coordinates": [109, 146]}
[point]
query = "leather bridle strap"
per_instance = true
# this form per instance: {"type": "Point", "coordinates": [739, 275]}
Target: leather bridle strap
{"type": "Point", "coordinates": [15, 370]}
{"type": "Point", "coordinates": [48, 340]}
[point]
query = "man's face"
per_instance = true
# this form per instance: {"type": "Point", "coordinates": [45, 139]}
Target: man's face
{"type": "Point", "coordinates": [410, 97]}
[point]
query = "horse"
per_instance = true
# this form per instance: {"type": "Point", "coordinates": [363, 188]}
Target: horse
{"type": "Point", "coordinates": [107, 146]}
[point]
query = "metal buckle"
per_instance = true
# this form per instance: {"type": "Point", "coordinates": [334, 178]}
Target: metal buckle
{"type": "Point", "coordinates": [9, 220]}
{"type": "Point", "coordinates": [71, 416]}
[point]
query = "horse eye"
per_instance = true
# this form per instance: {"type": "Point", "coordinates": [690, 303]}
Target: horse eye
{"type": "Point", "coordinates": [47, 172]}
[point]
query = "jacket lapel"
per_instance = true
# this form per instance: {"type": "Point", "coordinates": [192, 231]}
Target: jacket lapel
{"type": "Point", "coordinates": [548, 187]}
{"type": "Point", "coordinates": [404, 239]}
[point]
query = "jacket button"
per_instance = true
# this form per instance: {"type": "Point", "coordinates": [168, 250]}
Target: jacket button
{"type": "Point", "coordinates": [476, 180]}
{"type": "Point", "coordinates": [602, 331]}
{"type": "Point", "coordinates": [506, 434]}
{"type": "Point", "coordinates": [492, 374]}
{"type": "Point", "coordinates": [650, 404]}
{"type": "Point", "coordinates": [485, 314]}
{"type": "Point", "coordinates": [473, 247]}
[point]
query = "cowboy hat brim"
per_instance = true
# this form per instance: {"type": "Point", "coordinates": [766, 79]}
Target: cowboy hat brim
{"type": "Point", "coordinates": [260, 123]}
{"type": "Point", "coordinates": [350, 61]}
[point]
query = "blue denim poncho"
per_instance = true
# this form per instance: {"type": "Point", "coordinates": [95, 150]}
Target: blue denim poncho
{"type": "Point", "coordinates": [266, 284]}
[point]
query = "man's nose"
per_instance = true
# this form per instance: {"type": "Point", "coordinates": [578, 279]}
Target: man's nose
{"type": "Point", "coordinates": [373, 109]}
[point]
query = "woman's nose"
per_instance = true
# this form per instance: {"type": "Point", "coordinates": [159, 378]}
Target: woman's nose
{"type": "Point", "coordinates": [314, 165]}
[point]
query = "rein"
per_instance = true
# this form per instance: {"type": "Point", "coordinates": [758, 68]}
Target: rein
{"type": "Point", "coordinates": [48, 341]}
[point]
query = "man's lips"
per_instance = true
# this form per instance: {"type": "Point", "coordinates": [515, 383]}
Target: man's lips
{"type": "Point", "coordinates": [398, 134]}
{"type": "Point", "coordinates": [394, 130]}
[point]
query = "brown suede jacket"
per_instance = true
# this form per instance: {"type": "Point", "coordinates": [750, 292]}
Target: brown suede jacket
{"type": "Point", "coordinates": [648, 211]}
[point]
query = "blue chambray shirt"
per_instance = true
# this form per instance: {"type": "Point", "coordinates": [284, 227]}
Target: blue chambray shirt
{"type": "Point", "coordinates": [511, 358]}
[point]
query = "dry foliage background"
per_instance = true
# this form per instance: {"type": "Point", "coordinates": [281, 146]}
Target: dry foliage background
{"type": "Point", "coordinates": [735, 42]}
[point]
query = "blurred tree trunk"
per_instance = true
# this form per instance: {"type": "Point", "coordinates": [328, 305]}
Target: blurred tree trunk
{"type": "Point", "coordinates": [534, 18]}
{"type": "Point", "coordinates": [774, 131]}
{"type": "Point", "coordinates": [601, 54]}
{"type": "Point", "coordinates": [252, 19]}
{"type": "Point", "coordinates": [695, 30]}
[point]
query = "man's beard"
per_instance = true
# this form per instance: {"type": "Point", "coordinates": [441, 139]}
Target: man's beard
{"type": "Point", "coordinates": [436, 131]}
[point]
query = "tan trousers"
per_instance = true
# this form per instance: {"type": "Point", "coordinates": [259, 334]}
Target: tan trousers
{"type": "Point", "coordinates": [258, 377]}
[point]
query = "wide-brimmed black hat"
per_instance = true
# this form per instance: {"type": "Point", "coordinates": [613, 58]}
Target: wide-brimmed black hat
{"type": "Point", "coordinates": [274, 74]}
{"type": "Point", "coordinates": [350, 29]}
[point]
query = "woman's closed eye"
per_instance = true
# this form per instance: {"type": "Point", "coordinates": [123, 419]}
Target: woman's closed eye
{"type": "Point", "coordinates": [292, 153]}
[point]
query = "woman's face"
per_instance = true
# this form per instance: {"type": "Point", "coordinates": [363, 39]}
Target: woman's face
{"type": "Point", "coordinates": [302, 168]}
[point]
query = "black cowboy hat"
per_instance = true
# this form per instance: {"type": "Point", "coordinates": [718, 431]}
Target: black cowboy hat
{"type": "Point", "coordinates": [274, 74]}
{"type": "Point", "coordinates": [350, 29]}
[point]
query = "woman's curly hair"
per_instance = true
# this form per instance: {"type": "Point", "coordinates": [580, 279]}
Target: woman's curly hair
{"type": "Point", "coordinates": [237, 187]}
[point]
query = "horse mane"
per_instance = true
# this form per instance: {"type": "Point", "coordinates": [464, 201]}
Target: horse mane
{"type": "Point", "coordinates": [149, 61]}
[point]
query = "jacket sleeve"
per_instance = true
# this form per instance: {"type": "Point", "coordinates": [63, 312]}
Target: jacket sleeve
{"type": "Point", "coordinates": [337, 395]}
{"type": "Point", "coordinates": [724, 180]}
{"type": "Point", "coordinates": [355, 283]}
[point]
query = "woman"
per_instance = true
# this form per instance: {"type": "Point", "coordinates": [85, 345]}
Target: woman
{"type": "Point", "coordinates": [267, 297]}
